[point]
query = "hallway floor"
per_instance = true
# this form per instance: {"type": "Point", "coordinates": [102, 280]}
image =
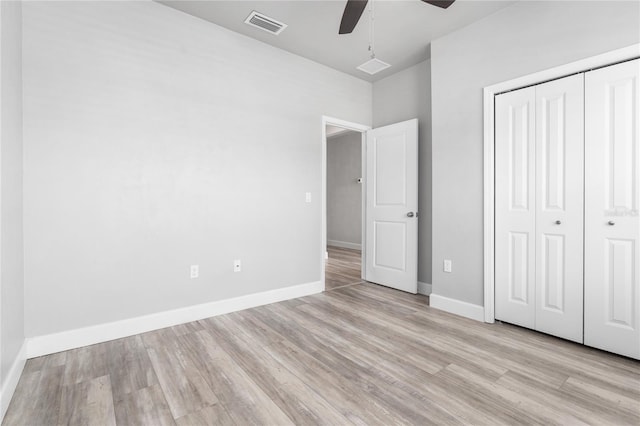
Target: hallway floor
{"type": "Point", "coordinates": [342, 268]}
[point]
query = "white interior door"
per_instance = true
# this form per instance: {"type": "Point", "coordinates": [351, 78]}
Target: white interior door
{"type": "Point", "coordinates": [391, 206]}
{"type": "Point", "coordinates": [515, 207]}
{"type": "Point", "coordinates": [559, 207]}
{"type": "Point", "coordinates": [612, 195]}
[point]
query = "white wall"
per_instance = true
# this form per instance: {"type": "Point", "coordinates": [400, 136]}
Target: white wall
{"type": "Point", "coordinates": [11, 240]}
{"type": "Point", "coordinates": [403, 96]}
{"type": "Point", "coordinates": [155, 140]}
{"type": "Point", "coordinates": [516, 41]}
{"type": "Point", "coordinates": [344, 193]}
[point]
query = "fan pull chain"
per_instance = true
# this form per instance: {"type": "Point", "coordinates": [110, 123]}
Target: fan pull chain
{"type": "Point", "coordinates": [371, 29]}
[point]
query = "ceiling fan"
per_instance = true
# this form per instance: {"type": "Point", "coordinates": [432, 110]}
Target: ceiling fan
{"type": "Point", "coordinates": [354, 9]}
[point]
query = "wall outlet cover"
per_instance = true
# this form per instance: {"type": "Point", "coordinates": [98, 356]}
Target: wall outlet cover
{"type": "Point", "coordinates": [194, 271]}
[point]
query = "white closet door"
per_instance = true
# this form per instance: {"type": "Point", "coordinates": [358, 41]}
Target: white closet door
{"type": "Point", "coordinates": [515, 207]}
{"type": "Point", "coordinates": [559, 207]}
{"type": "Point", "coordinates": [612, 224]}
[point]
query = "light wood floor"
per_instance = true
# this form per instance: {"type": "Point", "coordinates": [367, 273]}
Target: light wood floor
{"type": "Point", "coordinates": [342, 268]}
{"type": "Point", "coordinates": [360, 354]}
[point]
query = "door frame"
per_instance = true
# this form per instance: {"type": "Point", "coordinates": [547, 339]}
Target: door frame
{"type": "Point", "coordinates": [489, 93]}
{"type": "Point", "coordinates": [362, 129]}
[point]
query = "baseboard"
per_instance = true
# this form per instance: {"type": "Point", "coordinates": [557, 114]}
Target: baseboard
{"type": "Point", "coordinates": [11, 382]}
{"type": "Point", "coordinates": [344, 244]}
{"type": "Point", "coordinates": [424, 288]}
{"type": "Point", "coordinates": [458, 307]}
{"type": "Point", "coordinates": [57, 342]}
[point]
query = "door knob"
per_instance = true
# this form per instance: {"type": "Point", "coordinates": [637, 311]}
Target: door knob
{"type": "Point", "coordinates": [410, 214]}
{"type": "Point", "coordinates": [558, 222]}
{"type": "Point", "coordinates": [611, 222]}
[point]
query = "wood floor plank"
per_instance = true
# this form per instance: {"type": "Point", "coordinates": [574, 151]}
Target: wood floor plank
{"type": "Point", "coordinates": [184, 387]}
{"type": "Point", "coordinates": [390, 397]}
{"type": "Point", "coordinates": [452, 346]}
{"type": "Point", "coordinates": [22, 407]}
{"type": "Point", "coordinates": [89, 402]}
{"type": "Point", "coordinates": [387, 295]}
{"type": "Point", "coordinates": [398, 369]}
{"type": "Point", "coordinates": [129, 366]}
{"type": "Point", "coordinates": [568, 353]}
{"type": "Point", "coordinates": [616, 400]}
{"type": "Point", "coordinates": [86, 363]}
{"type": "Point", "coordinates": [190, 327]}
{"type": "Point", "coordinates": [158, 338]}
{"type": "Point", "coordinates": [243, 399]}
{"type": "Point", "coordinates": [610, 383]}
{"type": "Point", "coordinates": [361, 336]}
{"type": "Point", "coordinates": [346, 396]}
{"type": "Point", "coordinates": [216, 415]}
{"type": "Point", "coordinates": [395, 310]}
{"type": "Point", "coordinates": [500, 402]}
{"type": "Point", "coordinates": [410, 341]}
{"type": "Point", "coordinates": [382, 369]}
{"type": "Point", "coordinates": [45, 408]}
{"type": "Point", "coordinates": [512, 346]}
{"type": "Point", "coordinates": [342, 268]}
{"type": "Point", "coordinates": [301, 403]}
{"type": "Point", "coordinates": [262, 336]}
{"type": "Point", "coordinates": [494, 358]}
{"type": "Point", "coordinates": [146, 406]}
{"type": "Point", "coordinates": [42, 362]}
{"type": "Point", "coordinates": [564, 402]}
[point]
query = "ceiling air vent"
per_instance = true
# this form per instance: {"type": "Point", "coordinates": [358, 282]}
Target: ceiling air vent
{"type": "Point", "coordinates": [265, 23]}
{"type": "Point", "coordinates": [373, 66]}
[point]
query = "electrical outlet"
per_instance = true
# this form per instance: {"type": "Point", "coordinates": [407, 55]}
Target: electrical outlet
{"type": "Point", "coordinates": [194, 271]}
{"type": "Point", "coordinates": [308, 197]}
{"type": "Point", "coordinates": [447, 265]}
{"type": "Point", "coordinates": [237, 265]}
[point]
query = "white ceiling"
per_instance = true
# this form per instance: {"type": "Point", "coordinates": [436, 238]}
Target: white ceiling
{"type": "Point", "coordinates": [403, 28]}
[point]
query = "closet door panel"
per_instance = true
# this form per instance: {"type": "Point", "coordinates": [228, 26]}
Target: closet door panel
{"type": "Point", "coordinates": [515, 207]}
{"type": "Point", "coordinates": [559, 212]}
{"type": "Point", "coordinates": [612, 224]}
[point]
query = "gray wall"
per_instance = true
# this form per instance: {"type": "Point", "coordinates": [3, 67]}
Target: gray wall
{"type": "Point", "coordinates": [11, 240]}
{"type": "Point", "coordinates": [344, 194]}
{"type": "Point", "coordinates": [516, 41]}
{"type": "Point", "coordinates": [155, 140]}
{"type": "Point", "coordinates": [399, 97]}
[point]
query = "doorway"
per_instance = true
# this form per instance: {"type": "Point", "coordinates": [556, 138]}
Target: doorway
{"type": "Point", "coordinates": [389, 201]}
{"type": "Point", "coordinates": [344, 208]}
{"type": "Point", "coordinates": [342, 265]}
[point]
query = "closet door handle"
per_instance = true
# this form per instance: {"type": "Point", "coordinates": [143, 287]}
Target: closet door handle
{"type": "Point", "coordinates": [611, 222]}
{"type": "Point", "coordinates": [558, 222]}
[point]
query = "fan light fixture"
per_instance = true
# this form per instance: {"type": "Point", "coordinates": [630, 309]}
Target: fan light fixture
{"type": "Point", "coordinates": [350, 17]}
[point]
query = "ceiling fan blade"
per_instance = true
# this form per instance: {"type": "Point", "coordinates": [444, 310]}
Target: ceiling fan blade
{"type": "Point", "coordinates": [352, 13]}
{"type": "Point", "coordinates": [440, 3]}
